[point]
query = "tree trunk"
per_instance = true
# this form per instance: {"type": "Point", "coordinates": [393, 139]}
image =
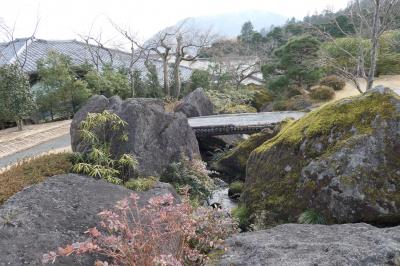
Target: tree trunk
{"type": "Point", "coordinates": [19, 124]}
{"type": "Point", "coordinates": [166, 79]}
{"type": "Point", "coordinates": [177, 81]}
{"type": "Point", "coordinates": [178, 60]}
{"type": "Point", "coordinates": [375, 45]}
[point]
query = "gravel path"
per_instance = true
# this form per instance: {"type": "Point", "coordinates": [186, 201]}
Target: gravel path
{"type": "Point", "coordinates": [53, 144]}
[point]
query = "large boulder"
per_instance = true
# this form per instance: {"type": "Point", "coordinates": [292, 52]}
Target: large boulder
{"type": "Point", "coordinates": [57, 212]}
{"type": "Point", "coordinates": [195, 104]}
{"type": "Point", "coordinates": [156, 138]}
{"type": "Point", "coordinates": [308, 245]}
{"type": "Point", "coordinates": [341, 160]}
{"type": "Point", "coordinates": [232, 164]}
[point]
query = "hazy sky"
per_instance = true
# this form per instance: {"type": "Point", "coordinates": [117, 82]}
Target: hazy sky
{"type": "Point", "coordinates": [64, 19]}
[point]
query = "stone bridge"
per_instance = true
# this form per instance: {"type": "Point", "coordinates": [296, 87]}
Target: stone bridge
{"type": "Point", "coordinates": [230, 124]}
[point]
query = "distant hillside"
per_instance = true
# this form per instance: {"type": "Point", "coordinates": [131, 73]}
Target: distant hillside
{"type": "Point", "coordinates": [230, 24]}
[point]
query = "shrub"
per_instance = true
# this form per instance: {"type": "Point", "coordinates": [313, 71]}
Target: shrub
{"type": "Point", "coordinates": [191, 174]}
{"type": "Point", "coordinates": [322, 93]}
{"type": "Point", "coordinates": [333, 82]}
{"type": "Point", "coordinates": [242, 214]}
{"type": "Point", "coordinates": [200, 79]}
{"type": "Point", "coordinates": [230, 97]}
{"type": "Point", "coordinates": [141, 183]}
{"type": "Point", "coordinates": [235, 188]}
{"type": "Point", "coordinates": [160, 233]}
{"type": "Point", "coordinates": [97, 162]}
{"type": "Point", "coordinates": [27, 173]}
{"type": "Point", "coordinates": [238, 109]}
{"type": "Point", "coordinates": [311, 217]}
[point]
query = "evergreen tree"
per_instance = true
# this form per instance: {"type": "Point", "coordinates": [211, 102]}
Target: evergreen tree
{"type": "Point", "coordinates": [16, 100]}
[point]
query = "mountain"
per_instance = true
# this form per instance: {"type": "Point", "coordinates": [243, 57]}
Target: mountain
{"type": "Point", "coordinates": [230, 24]}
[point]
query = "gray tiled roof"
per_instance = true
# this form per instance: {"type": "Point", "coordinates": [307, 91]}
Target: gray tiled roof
{"type": "Point", "coordinates": [31, 50]}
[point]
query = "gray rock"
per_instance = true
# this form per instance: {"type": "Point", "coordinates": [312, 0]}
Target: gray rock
{"type": "Point", "coordinates": [156, 138]}
{"type": "Point", "coordinates": [57, 212]}
{"type": "Point", "coordinates": [195, 104]}
{"type": "Point", "coordinates": [309, 245]}
{"type": "Point", "coordinates": [344, 162]}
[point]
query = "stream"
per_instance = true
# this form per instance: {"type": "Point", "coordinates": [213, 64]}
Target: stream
{"type": "Point", "coordinates": [220, 195]}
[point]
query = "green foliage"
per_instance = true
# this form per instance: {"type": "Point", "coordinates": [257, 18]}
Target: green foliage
{"type": "Point", "coordinates": [333, 82]}
{"type": "Point", "coordinates": [60, 92]}
{"type": "Point", "coordinates": [242, 214]}
{"type": "Point", "coordinates": [295, 64]}
{"type": "Point", "coordinates": [16, 101]}
{"type": "Point", "coordinates": [238, 109]}
{"type": "Point", "coordinates": [192, 174]}
{"type": "Point", "coordinates": [345, 51]}
{"type": "Point", "coordinates": [311, 217]}
{"type": "Point", "coordinates": [97, 161]}
{"type": "Point", "coordinates": [247, 32]}
{"type": "Point", "coordinates": [109, 82]}
{"type": "Point", "coordinates": [200, 79]}
{"type": "Point", "coordinates": [228, 99]}
{"type": "Point", "coordinates": [141, 183]}
{"type": "Point", "coordinates": [236, 187]}
{"type": "Point", "coordinates": [322, 93]}
{"type": "Point", "coordinates": [149, 87]}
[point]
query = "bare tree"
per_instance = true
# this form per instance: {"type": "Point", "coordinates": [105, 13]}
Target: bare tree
{"type": "Point", "coordinates": [370, 19]}
{"type": "Point", "coordinates": [97, 49]}
{"type": "Point", "coordinates": [19, 55]}
{"type": "Point", "coordinates": [180, 43]}
{"type": "Point", "coordinates": [137, 52]}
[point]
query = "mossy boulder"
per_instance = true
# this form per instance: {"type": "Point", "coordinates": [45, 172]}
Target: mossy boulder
{"type": "Point", "coordinates": [261, 96]}
{"type": "Point", "coordinates": [341, 160]}
{"type": "Point", "coordinates": [232, 164]}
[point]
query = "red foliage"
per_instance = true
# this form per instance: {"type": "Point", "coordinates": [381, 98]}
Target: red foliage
{"type": "Point", "coordinates": [160, 233]}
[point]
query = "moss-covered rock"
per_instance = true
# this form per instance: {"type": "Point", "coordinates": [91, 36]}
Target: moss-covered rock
{"type": "Point", "coordinates": [342, 161]}
{"type": "Point", "coordinates": [233, 163]}
{"type": "Point", "coordinates": [261, 96]}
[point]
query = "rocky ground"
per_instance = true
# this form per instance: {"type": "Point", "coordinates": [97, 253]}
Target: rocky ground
{"type": "Point", "coordinates": [311, 245]}
{"type": "Point", "coordinates": [55, 213]}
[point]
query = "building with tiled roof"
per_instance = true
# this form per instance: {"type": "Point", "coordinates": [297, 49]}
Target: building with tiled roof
{"type": "Point", "coordinates": [28, 52]}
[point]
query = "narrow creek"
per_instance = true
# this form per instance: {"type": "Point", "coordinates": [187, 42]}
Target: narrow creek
{"type": "Point", "coordinates": [220, 196]}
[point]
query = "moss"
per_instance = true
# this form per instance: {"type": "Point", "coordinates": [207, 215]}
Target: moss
{"type": "Point", "coordinates": [357, 113]}
{"type": "Point", "coordinates": [261, 96]}
{"type": "Point", "coordinates": [235, 188]}
{"type": "Point", "coordinates": [233, 163]}
{"type": "Point", "coordinates": [274, 168]}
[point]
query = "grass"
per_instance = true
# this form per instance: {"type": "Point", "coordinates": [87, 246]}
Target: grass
{"type": "Point", "coordinates": [141, 183]}
{"type": "Point", "coordinates": [242, 214]}
{"type": "Point", "coordinates": [27, 173]}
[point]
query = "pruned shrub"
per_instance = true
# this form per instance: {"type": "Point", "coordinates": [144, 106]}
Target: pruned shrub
{"type": "Point", "coordinates": [333, 82]}
{"type": "Point", "coordinates": [160, 233]}
{"type": "Point", "coordinates": [322, 93]}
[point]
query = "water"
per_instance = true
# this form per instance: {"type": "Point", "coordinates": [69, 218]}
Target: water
{"type": "Point", "coordinates": [220, 196]}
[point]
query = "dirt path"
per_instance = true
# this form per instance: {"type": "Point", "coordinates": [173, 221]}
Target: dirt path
{"type": "Point", "coordinates": [13, 141]}
{"type": "Point", "coordinates": [391, 81]}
